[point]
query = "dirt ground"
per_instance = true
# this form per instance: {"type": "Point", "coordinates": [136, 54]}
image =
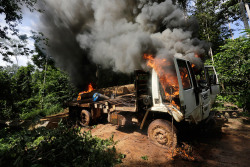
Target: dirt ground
{"type": "Point", "coordinates": [228, 144]}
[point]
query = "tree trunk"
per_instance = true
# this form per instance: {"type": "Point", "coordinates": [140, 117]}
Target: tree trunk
{"type": "Point", "coordinates": [230, 30]}
{"type": "Point", "coordinates": [211, 54]}
{"type": "Point", "coordinates": [243, 15]}
{"type": "Point", "coordinates": [44, 80]}
{"type": "Point", "coordinates": [210, 49]}
{"type": "Point", "coordinates": [247, 9]}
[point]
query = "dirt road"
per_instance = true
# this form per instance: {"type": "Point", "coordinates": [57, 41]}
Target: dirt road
{"type": "Point", "coordinates": [226, 145]}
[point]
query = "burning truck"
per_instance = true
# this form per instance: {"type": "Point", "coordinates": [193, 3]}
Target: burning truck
{"type": "Point", "coordinates": [170, 89]}
{"type": "Point", "coordinates": [170, 92]}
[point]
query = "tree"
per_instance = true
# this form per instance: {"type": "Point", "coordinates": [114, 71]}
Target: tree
{"type": "Point", "coordinates": [13, 14]}
{"type": "Point", "coordinates": [243, 15]}
{"type": "Point", "coordinates": [11, 70]}
{"type": "Point", "coordinates": [211, 25]}
{"type": "Point", "coordinates": [40, 59]}
{"type": "Point", "coordinates": [233, 65]}
{"type": "Point", "coordinates": [234, 10]}
{"type": "Point", "coordinates": [230, 10]}
{"type": "Point", "coordinates": [23, 79]}
{"type": "Point", "coordinates": [12, 11]}
{"type": "Point", "coordinates": [39, 89]}
{"type": "Point", "coordinates": [6, 98]}
{"type": "Point", "coordinates": [15, 47]}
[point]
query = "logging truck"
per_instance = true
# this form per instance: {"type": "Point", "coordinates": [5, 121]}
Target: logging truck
{"type": "Point", "coordinates": [159, 99]}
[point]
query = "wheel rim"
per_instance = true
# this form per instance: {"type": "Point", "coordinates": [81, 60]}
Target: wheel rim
{"type": "Point", "coordinates": [160, 135]}
{"type": "Point", "coordinates": [84, 118]}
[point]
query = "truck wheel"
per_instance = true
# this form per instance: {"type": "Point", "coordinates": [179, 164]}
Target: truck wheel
{"type": "Point", "coordinates": [160, 133]}
{"type": "Point", "coordinates": [85, 118]}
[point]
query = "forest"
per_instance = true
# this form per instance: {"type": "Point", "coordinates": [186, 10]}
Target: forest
{"type": "Point", "coordinates": [45, 85]}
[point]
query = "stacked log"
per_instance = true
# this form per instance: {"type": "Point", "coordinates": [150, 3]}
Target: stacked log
{"type": "Point", "coordinates": [115, 91]}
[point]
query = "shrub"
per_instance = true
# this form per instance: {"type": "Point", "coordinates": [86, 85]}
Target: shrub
{"type": "Point", "coordinates": [233, 65]}
{"type": "Point", "coordinates": [58, 147]}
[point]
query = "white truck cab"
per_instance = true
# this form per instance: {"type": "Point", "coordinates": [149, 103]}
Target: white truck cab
{"type": "Point", "coordinates": [195, 97]}
{"type": "Point", "coordinates": [192, 100]}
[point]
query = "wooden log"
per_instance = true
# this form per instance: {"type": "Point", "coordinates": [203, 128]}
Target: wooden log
{"type": "Point", "coordinates": [130, 109]}
{"type": "Point", "coordinates": [115, 90]}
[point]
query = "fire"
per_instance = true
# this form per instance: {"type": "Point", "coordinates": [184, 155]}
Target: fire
{"type": "Point", "coordinates": [186, 152]}
{"type": "Point", "coordinates": [166, 74]}
{"type": "Point", "coordinates": [90, 89]}
{"type": "Point", "coordinates": [186, 83]}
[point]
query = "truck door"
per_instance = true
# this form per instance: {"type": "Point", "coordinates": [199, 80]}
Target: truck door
{"type": "Point", "coordinates": [213, 82]}
{"type": "Point", "coordinates": [188, 99]}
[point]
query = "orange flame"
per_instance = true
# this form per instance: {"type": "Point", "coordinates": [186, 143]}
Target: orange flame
{"type": "Point", "coordinates": [90, 89]}
{"type": "Point", "coordinates": [167, 76]}
{"type": "Point", "coordinates": [186, 83]}
{"type": "Point", "coordinates": [186, 152]}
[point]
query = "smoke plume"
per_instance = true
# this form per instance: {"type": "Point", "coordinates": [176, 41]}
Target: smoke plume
{"type": "Point", "coordinates": [116, 33]}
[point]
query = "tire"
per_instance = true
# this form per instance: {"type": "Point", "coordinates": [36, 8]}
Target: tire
{"type": "Point", "coordinates": [85, 118]}
{"type": "Point", "coordinates": [160, 133]}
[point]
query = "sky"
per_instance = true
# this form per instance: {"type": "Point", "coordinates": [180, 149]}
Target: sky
{"type": "Point", "coordinates": [31, 21]}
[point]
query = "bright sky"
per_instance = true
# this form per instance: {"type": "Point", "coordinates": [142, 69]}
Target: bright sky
{"type": "Point", "coordinates": [31, 21]}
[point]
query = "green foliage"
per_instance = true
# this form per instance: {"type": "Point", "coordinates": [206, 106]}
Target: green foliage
{"type": "Point", "coordinates": [219, 104]}
{"type": "Point", "coordinates": [40, 59]}
{"type": "Point", "coordinates": [144, 157]}
{"type": "Point", "coordinates": [23, 81]}
{"type": "Point", "coordinates": [57, 147]}
{"type": "Point", "coordinates": [32, 114]}
{"type": "Point", "coordinates": [233, 66]}
{"type": "Point", "coordinates": [11, 10]}
{"type": "Point", "coordinates": [246, 114]}
{"type": "Point", "coordinates": [230, 10]}
{"type": "Point", "coordinates": [29, 92]}
{"type": "Point", "coordinates": [53, 109]}
{"type": "Point", "coordinates": [212, 26]}
{"type": "Point", "coordinates": [6, 98]}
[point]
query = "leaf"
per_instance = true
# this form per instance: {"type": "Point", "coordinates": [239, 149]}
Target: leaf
{"type": "Point", "coordinates": [144, 157]}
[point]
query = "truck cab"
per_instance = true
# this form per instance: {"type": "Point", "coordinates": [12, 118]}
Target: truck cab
{"type": "Point", "coordinates": [190, 99]}
{"type": "Point", "coordinates": [195, 96]}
